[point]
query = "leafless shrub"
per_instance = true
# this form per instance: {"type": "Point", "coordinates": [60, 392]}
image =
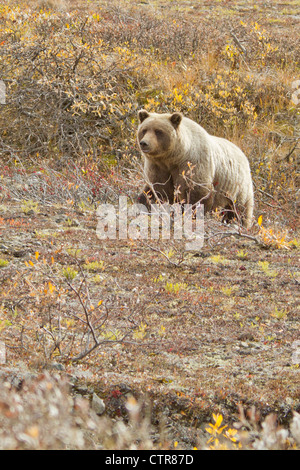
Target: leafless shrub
{"type": "Point", "coordinates": [48, 186]}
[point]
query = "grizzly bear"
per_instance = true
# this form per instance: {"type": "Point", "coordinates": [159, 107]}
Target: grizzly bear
{"type": "Point", "coordinates": [185, 164]}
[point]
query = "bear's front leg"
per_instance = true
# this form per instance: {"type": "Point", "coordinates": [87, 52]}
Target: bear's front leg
{"type": "Point", "coordinates": [146, 197]}
{"type": "Point", "coordinates": [159, 192]}
{"type": "Point", "coordinates": [160, 187]}
{"type": "Point", "coordinates": [188, 191]}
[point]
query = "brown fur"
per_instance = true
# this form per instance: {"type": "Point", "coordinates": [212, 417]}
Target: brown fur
{"type": "Point", "coordinates": [183, 163]}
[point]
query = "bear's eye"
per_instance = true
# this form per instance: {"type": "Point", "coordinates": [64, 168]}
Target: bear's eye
{"type": "Point", "coordinates": [158, 133]}
{"type": "Point", "coordinates": [143, 132]}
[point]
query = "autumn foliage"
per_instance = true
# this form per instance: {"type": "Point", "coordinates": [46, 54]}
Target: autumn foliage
{"type": "Point", "coordinates": [75, 75]}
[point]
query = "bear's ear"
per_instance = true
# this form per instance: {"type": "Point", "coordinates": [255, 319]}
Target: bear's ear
{"type": "Point", "coordinates": [143, 114]}
{"type": "Point", "coordinates": [176, 119]}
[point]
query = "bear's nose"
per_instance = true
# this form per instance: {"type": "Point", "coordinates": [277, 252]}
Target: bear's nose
{"type": "Point", "coordinates": [144, 145]}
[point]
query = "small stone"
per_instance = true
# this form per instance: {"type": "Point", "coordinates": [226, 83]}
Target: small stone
{"type": "Point", "coordinates": [75, 223]}
{"type": "Point", "coordinates": [98, 404]}
{"type": "Point", "coordinates": [56, 366]}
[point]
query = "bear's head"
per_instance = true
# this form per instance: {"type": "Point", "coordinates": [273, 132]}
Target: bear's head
{"type": "Point", "coordinates": [157, 133]}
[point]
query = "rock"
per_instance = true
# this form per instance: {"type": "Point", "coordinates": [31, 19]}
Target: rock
{"type": "Point", "coordinates": [3, 248]}
{"type": "Point", "coordinates": [16, 377]}
{"type": "Point", "coordinates": [55, 366]}
{"type": "Point", "coordinates": [61, 218]}
{"type": "Point", "coordinates": [98, 404]}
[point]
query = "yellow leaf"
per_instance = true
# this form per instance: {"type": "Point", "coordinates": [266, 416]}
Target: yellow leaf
{"type": "Point", "coordinates": [218, 419]}
{"type": "Point", "coordinates": [51, 287]}
{"type": "Point", "coordinates": [37, 255]}
{"type": "Point", "coordinates": [259, 220]}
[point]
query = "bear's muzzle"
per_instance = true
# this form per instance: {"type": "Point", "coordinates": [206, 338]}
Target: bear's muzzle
{"type": "Point", "coordinates": [145, 147]}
